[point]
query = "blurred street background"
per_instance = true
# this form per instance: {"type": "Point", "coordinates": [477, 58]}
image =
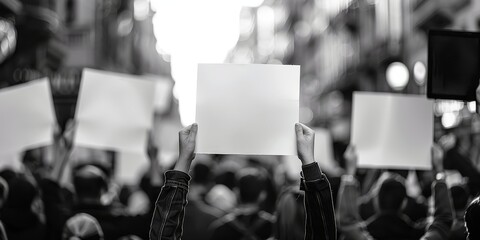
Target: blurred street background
{"type": "Point", "coordinates": [342, 46]}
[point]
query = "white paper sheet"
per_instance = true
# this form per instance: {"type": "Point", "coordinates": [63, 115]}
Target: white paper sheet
{"type": "Point", "coordinates": [247, 109]}
{"type": "Point", "coordinates": [392, 130]}
{"type": "Point", "coordinates": [114, 111]}
{"type": "Point", "coordinates": [131, 167]}
{"type": "Point", "coordinates": [27, 116]}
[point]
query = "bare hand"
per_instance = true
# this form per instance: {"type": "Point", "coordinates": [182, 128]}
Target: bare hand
{"type": "Point", "coordinates": [187, 141]}
{"type": "Point", "coordinates": [351, 159]}
{"type": "Point", "coordinates": [305, 143]}
{"type": "Point", "coordinates": [69, 133]}
{"type": "Point", "coordinates": [437, 158]}
{"type": "Point", "coordinates": [447, 142]}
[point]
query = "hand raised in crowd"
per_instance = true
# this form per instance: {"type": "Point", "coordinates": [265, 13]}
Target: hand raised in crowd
{"type": "Point", "coordinates": [305, 143]}
{"type": "Point", "coordinates": [351, 159]}
{"type": "Point", "coordinates": [187, 141]}
{"type": "Point", "coordinates": [62, 149]}
{"type": "Point", "coordinates": [155, 171]}
{"type": "Point", "coordinates": [437, 158]}
{"type": "Point", "coordinates": [447, 141]}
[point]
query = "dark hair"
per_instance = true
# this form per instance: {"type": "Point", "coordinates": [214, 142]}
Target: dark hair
{"type": "Point", "coordinates": [391, 195]}
{"type": "Point", "coordinates": [201, 173]}
{"type": "Point", "coordinates": [460, 195]}
{"type": "Point", "coordinates": [472, 219]}
{"type": "Point", "coordinates": [226, 178]}
{"type": "Point", "coordinates": [250, 182]}
{"type": "Point", "coordinates": [21, 193]}
{"type": "Point", "coordinates": [89, 181]}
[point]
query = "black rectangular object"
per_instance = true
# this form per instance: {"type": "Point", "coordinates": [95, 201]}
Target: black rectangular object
{"type": "Point", "coordinates": [453, 64]}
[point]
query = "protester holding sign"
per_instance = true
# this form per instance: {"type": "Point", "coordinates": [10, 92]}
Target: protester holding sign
{"type": "Point", "coordinates": [169, 211]}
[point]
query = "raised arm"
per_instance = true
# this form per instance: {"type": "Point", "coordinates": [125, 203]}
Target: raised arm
{"type": "Point", "coordinates": [170, 206]}
{"type": "Point", "coordinates": [443, 215]}
{"type": "Point", "coordinates": [320, 223]}
{"type": "Point", "coordinates": [348, 217]}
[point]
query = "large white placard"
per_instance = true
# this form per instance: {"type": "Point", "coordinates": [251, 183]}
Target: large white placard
{"type": "Point", "coordinates": [247, 109]}
{"type": "Point", "coordinates": [392, 130]}
{"type": "Point", "coordinates": [114, 111]}
{"type": "Point", "coordinates": [27, 116]}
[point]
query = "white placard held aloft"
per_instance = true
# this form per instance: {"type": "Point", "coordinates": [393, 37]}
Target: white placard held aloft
{"type": "Point", "coordinates": [27, 116]}
{"type": "Point", "coordinates": [114, 111]}
{"type": "Point", "coordinates": [247, 109]}
{"type": "Point", "coordinates": [392, 130]}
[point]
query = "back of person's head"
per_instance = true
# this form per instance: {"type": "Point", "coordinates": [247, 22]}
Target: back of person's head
{"type": "Point", "coordinates": [460, 196]}
{"type": "Point", "coordinates": [225, 178]}
{"type": "Point", "coordinates": [392, 195]}
{"type": "Point", "coordinates": [8, 174]}
{"type": "Point", "coordinates": [89, 182]}
{"type": "Point", "coordinates": [3, 191]}
{"type": "Point", "coordinates": [472, 219]}
{"type": "Point", "coordinates": [82, 226]}
{"type": "Point", "coordinates": [21, 193]}
{"type": "Point", "coordinates": [290, 214]}
{"type": "Point", "coordinates": [201, 173]}
{"type": "Point", "coordinates": [251, 184]}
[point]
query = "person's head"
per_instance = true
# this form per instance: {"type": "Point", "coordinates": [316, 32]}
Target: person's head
{"type": "Point", "coordinates": [392, 195]}
{"type": "Point", "coordinates": [201, 173]}
{"type": "Point", "coordinates": [3, 191]}
{"type": "Point", "coordinates": [82, 227]}
{"type": "Point", "coordinates": [251, 185]}
{"type": "Point", "coordinates": [472, 219]}
{"type": "Point", "coordinates": [90, 182]}
{"type": "Point", "coordinates": [21, 193]}
{"type": "Point", "coordinates": [290, 214]}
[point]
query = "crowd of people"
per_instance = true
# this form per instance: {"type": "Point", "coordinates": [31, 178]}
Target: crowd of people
{"type": "Point", "coordinates": [224, 197]}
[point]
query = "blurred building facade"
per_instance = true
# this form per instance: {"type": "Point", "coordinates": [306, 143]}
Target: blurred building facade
{"type": "Point", "coordinates": [342, 46]}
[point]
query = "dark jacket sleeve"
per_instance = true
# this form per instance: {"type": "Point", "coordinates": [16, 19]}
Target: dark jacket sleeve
{"type": "Point", "coordinates": [443, 216]}
{"type": "Point", "coordinates": [169, 210]}
{"type": "Point", "coordinates": [320, 223]}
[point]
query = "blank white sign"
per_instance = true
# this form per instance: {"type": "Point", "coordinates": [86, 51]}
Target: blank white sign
{"type": "Point", "coordinates": [247, 109]}
{"type": "Point", "coordinates": [392, 130]}
{"type": "Point", "coordinates": [27, 116]}
{"type": "Point", "coordinates": [114, 111]}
